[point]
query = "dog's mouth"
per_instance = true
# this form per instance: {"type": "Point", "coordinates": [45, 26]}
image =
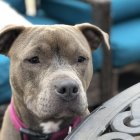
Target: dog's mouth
{"type": "Point", "coordinates": [65, 113]}
{"type": "Point", "coordinates": [72, 112]}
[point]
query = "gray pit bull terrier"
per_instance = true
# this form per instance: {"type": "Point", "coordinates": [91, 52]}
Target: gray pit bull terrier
{"type": "Point", "coordinates": [50, 71]}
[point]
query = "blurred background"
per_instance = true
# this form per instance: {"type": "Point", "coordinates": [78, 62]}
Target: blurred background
{"type": "Point", "coordinates": [114, 70]}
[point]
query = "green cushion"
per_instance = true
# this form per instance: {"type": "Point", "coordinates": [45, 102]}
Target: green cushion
{"type": "Point", "coordinates": [5, 90]}
{"type": "Point", "coordinates": [68, 11]}
{"type": "Point", "coordinates": [125, 45]}
{"type": "Point", "coordinates": [97, 59]}
{"type": "Point", "coordinates": [41, 20]}
{"type": "Point", "coordinates": [125, 9]}
{"type": "Point", "coordinates": [19, 5]}
{"type": "Point", "coordinates": [77, 11]}
{"type": "Point", "coordinates": [125, 42]}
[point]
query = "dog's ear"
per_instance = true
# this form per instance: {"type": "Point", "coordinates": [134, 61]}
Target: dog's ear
{"type": "Point", "coordinates": [94, 35]}
{"type": "Point", "coordinates": [7, 36]}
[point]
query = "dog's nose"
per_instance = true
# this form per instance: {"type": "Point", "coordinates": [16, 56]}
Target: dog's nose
{"type": "Point", "coordinates": [67, 89]}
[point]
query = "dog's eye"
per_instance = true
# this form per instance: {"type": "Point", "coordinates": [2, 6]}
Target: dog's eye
{"type": "Point", "coordinates": [81, 59]}
{"type": "Point", "coordinates": [34, 60]}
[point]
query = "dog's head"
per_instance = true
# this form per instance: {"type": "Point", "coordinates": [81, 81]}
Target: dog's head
{"type": "Point", "coordinates": [51, 67]}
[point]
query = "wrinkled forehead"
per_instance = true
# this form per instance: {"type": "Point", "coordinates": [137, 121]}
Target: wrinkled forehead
{"type": "Point", "coordinates": [54, 36]}
{"type": "Point", "coordinates": [51, 38]}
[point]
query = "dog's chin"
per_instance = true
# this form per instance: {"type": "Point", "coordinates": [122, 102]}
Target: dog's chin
{"type": "Point", "coordinates": [65, 114]}
{"type": "Point", "coordinates": [67, 110]}
{"type": "Point", "coordinates": [69, 113]}
{"type": "Point", "coordinates": [59, 115]}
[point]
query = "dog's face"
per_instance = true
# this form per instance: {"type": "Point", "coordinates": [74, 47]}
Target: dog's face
{"type": "Point", "coordinates": [51, 67]}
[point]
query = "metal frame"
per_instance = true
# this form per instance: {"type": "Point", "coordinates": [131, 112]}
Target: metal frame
{"type": "Point", "coordinates": [118, 118]}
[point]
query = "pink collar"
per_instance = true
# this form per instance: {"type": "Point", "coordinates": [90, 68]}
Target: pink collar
{"type": "Point", "coordinates": [18, 124]}
{"type": "Point", "coordinates": [15, 119]}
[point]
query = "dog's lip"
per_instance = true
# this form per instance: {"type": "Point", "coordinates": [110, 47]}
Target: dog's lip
{"type": "Point", "coordinates": [66, 114]}
{"type": "Point", "coordinates": [70, 113]}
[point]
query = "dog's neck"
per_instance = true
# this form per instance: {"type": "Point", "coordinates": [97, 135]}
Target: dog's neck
{"type": "Point", "coordinates": [26, 133]}
{"type": "Point", "coordinates": [34, 123]}
{"type": "Point", "coordinates": [25, 115]}
{"type": "Point", "coordinates": [31, 121]}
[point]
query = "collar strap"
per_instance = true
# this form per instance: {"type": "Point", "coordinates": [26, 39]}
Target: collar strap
{"type": "Point", "coordinates": [15, 119]}
{"type": "Point", "coordinates": [32, 135]}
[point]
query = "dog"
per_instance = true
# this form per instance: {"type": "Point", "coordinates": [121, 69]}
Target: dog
{"type": "Point", "coordinates": [50, 71]}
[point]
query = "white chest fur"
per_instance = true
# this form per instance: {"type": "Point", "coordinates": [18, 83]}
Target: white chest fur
{"type": "Point", "coordinates": [51, 127]}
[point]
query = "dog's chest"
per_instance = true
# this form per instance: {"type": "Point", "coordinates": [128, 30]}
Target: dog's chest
{"type": "Point", "coordinates": [50, 127]}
